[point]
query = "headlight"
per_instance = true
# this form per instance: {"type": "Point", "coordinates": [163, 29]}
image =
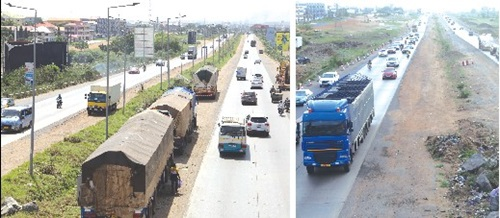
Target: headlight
{"type": "Point", "coordinates": [307, 158]}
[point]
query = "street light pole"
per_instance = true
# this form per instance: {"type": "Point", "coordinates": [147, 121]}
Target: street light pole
{"type": "Point", "coordinates": [168, 53]}
{"type": "Point", "coordinates": [107, 66]}
{"type": "Point", "coordinates": [33, 90]}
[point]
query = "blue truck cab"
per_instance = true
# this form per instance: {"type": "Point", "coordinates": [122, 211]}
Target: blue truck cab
{"type": "Point", "coordinates": [336, 122]}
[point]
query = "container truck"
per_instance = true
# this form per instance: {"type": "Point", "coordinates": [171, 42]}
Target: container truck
{"type": "Point", "coordinates": [121, 178]}
{"type": "Point", "coordinates": [96, 98]}
{"type": "Point", "coordinates": [205, 81]}
{"type": "Point", "coordinates": [180, 103]}
{"type": "Point", "coordinates": [336, 122]}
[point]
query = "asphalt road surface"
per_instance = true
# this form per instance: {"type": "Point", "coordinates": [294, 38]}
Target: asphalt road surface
{"type": "Point", "coordinates": [254, 185]}
{"type": "Point", "coordinates": [324, 193]}
{"type": "Point", "coordinates": [46, 113]}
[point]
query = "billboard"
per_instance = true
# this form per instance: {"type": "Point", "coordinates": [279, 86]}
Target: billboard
{"type": "Point", "coordinates": [283, 41]}
{"type": "Point", "coordinates": [143, 42]}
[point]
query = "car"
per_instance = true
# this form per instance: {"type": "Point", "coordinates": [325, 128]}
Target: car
{"type": "Point", "coordinates": [389, 73]}
{"type": "Point", "coordinates": [407, 49]}
{"type": "Point", "coordinates": [302, 96]}
{"type": "Point", "coordinates": [303, 60]}
{"type": "Point", "coordinates": [391, 50]}
{"type": "Point", "coordinates": [328, 78]}
{"type": "Point", "coordinates": [134, 70]}
{"type": "Point", "coordinates": [261, 51]}
{"type": "Point", "coordinates": [258, 61]}
{"type": "Point", "coordinates": [257, 123]}
{"type": "Point", "coordinates": [256, 83]}
{"type": "Point", "coordinates": [392, 62]}
{"type": "Point", "coordinates": [7, 102]}
{"type": "Point", "coordinates": [248, 98]}
{"type": "Point", "coordinates": [258, 76]}
{"type": "Point", "coordinates": [183, 56]}
{"type": "Point", "coordinates": [382, 53]}
{"type": "Point", "coordinates": [160, 62]}
{"type": "Point", "coordinates": [16, 118]}
{"type": "Point", "coordinates": [471, 33]}
{"type": "Point", "coordinates": [245, 56]}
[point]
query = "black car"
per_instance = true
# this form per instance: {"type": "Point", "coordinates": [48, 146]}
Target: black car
{"type": "Point", "coordinates": [303, 60]}
{"type": "Point", "coordinates": [248, 98]}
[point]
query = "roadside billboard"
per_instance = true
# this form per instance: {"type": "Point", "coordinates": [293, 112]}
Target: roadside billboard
{"type": "Point", "coordinates": [283, 41]}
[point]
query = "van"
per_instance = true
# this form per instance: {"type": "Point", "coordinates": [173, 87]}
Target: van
{"type": "Point", "coordinates": [17, 118]}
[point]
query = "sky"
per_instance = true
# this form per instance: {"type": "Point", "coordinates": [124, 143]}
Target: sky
{"type": "Point", "coordinates": [212, 11]}
{"type": "Point", "coordinates": [436, 5]}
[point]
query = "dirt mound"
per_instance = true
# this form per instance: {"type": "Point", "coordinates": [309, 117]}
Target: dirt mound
{"type": "Point", "coordinates": [485, 25]}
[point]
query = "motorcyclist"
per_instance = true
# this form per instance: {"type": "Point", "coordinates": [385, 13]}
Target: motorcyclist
{"type": "Point", "coordinates": [370, 64]}
{"type": "Point", "coordinates": [281, 107]}
{"type": "Point", "coordinates": [143, 67]}
{"type": "Point", "coordinates": [287, 104]}
{"type": "Point", "coordinates": [59, 101]}
{"type": "Point", "coordinates": [273, 90]}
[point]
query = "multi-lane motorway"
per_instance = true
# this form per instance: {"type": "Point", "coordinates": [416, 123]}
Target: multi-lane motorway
{"type": "Point", "coordinates": [254, 185]}
{"type": "Point", "coordinates": [46, 113]}
{"type": "Point", "coordinates": [323, 194]}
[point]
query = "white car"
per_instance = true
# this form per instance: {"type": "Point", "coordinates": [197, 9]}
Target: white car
{"type": "Point", "coordinates": [328, 78]}
{"type": "Point", "coordinates": [256, 83]}
{"type": "Point", "coordinates": [392, 62]}
{"type": "Point", "coordinates": [382, 53]}
{"type": "Point", "coordinates": [257, 123]}
{"type": "Point", "coordinates": [258, 76]}
{"type": "Point", "coordinates": [302, 96]}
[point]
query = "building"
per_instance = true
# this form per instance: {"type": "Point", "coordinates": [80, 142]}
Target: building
{"type": "Point", "coordinates": [78, 31]}
{"type": "Point", "coordinates": [307, 12]}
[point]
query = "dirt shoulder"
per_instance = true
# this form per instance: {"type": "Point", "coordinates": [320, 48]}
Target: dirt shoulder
{"type": "Point", "coordinates": [399, 178]}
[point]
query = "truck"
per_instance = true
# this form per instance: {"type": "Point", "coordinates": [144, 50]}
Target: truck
{"type": "Point", "coordinates": [241, 73]}
{"type": "Point", "coordinates": [283, 77]}
{"type": "Point", "coordinates": [232, 135]}
{"type": "Point", "coordinates": [96, 98]}
{"type": "Point", "coordinates": [180, 103]}
{"type": "Point", "coordinates": [336, 122]}
{"type": "Point", "coordinates": [122, 177]}
{"type": "Point", "coordinates": [253, 43]}
{"type": "Point", "coordinates": [205, 82]}
{"type": "Point", "coordinates": [298, 42]}
{"type": "Point", "coordinates": [191, 37]}
{"type": "Point", "coordinates": [192, 52]}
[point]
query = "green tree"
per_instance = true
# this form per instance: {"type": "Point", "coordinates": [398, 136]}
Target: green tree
{"type": "Point", "coordinates": [81, 45]}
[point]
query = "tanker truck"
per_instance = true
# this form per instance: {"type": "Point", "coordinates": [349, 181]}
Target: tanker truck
{"type": "Point", "coordinates": [336, 122]}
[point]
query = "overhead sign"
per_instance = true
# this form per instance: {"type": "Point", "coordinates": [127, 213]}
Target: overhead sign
{"type": "Point", "coordinates": [144, 42]}
{"type": "Point", "coordinates": [29, 72]}
{"type": "Point", "coordinates": [283, 41]}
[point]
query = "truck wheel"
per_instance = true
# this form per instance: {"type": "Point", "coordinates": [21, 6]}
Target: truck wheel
{"type": "Point", "coordinates": [89, 113]}
{"type": "Point", "coordinates": [347, 168]}
{"type": "Point", "coordinates": [310, 170]}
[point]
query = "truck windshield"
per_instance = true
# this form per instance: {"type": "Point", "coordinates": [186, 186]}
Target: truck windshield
{"type": "Point", "coordinates": [232, 131]}
{"type": "Point", "coordinates": [97, 97]}
{"type": "Point", "coordinates": [324, 128]}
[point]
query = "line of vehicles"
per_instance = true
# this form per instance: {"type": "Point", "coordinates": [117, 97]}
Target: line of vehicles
{"type": "Point", "coordinates": [121, 178]}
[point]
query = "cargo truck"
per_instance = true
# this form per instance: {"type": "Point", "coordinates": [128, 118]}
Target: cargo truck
{"type": "Point", "coordinates": [336, 122]}
{"type": "Point", "coordinates": [121, 178]}
{"type": "Point", "coordinates": [180, 103]}
{"type": "Point", "coordinates": [96, 99]}
{"type": "Point", "coordinates": [192, 52]}
{"type": "Point", "coordinates": [241, 73]}
{"type": "Point", "coordinates": [232, 135]}
{"type": "Point", "coordinates": [205, 81]}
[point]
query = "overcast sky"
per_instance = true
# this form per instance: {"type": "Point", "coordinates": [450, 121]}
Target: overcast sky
{"type": "Point", "coordinates": [213, 11]}
{"type": "Point", "coordinates": [436, 5]}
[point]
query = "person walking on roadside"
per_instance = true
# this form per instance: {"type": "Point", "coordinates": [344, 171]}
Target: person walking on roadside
{"type": "Point", "coordinates": [174, 179]}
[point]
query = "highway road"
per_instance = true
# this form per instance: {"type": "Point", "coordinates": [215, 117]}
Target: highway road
{"type": "Point", "coordinates": [324, 193]}
{"type": "Point", "coordinates": [254, 185]}
{"type": "Point", "coordinates": [73, 98]}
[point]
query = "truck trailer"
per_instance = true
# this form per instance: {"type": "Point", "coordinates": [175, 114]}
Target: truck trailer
{"type": "Point", "coordinates": [96, 98]}
{"type": "Point", "coordinates": [180, 103]}
{"type": "Point", "coordinates": [336, 122]}
{"type": "Point", "coordinates": [121, 178]}
{"type": "Point", "coordinates": [205, 81]}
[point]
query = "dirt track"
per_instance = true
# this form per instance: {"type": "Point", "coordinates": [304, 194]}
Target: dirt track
{"type": "Point", "coordinates": [399, 178]}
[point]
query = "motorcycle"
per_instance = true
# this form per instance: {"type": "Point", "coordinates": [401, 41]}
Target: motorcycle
{"type": "Point", "coordinates": [287, 105]}
{"type": "Point", "coordinates": [59, 104]}
{"type": "Point", "coordinates": [369, 66]}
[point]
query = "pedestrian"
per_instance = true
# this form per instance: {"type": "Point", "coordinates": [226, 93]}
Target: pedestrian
{"type": "Point", "coordinates": [174, 179]}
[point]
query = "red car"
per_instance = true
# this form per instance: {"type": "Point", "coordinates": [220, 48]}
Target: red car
{"type": "Point", "coordinates": [389, 73]}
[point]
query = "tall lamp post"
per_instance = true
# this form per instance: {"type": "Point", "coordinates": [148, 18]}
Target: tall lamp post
{"type": "Point", "coordinates": [107, 64]}
{"type": "Point", "coordinates": [32, 147]}
{"type": "Point", "coordinates": [168, 47]}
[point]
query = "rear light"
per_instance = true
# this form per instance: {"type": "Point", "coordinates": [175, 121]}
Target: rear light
{"type": "Point", "coordinates": [267, 124]}
{"type": "Point", "coordinates": [137, 214]}
{"type": "Point", "coordinates": [243, 146]}
{"type": "Point", "coordinates": [249, 124]}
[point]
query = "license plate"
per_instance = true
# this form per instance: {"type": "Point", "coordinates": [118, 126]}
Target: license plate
{"type": "Point", "coordinates": [326, 165]}
{"type": "Point", "coordinates": [5, 127]}
{"type": "Point", "coordinates": [258, 126]}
